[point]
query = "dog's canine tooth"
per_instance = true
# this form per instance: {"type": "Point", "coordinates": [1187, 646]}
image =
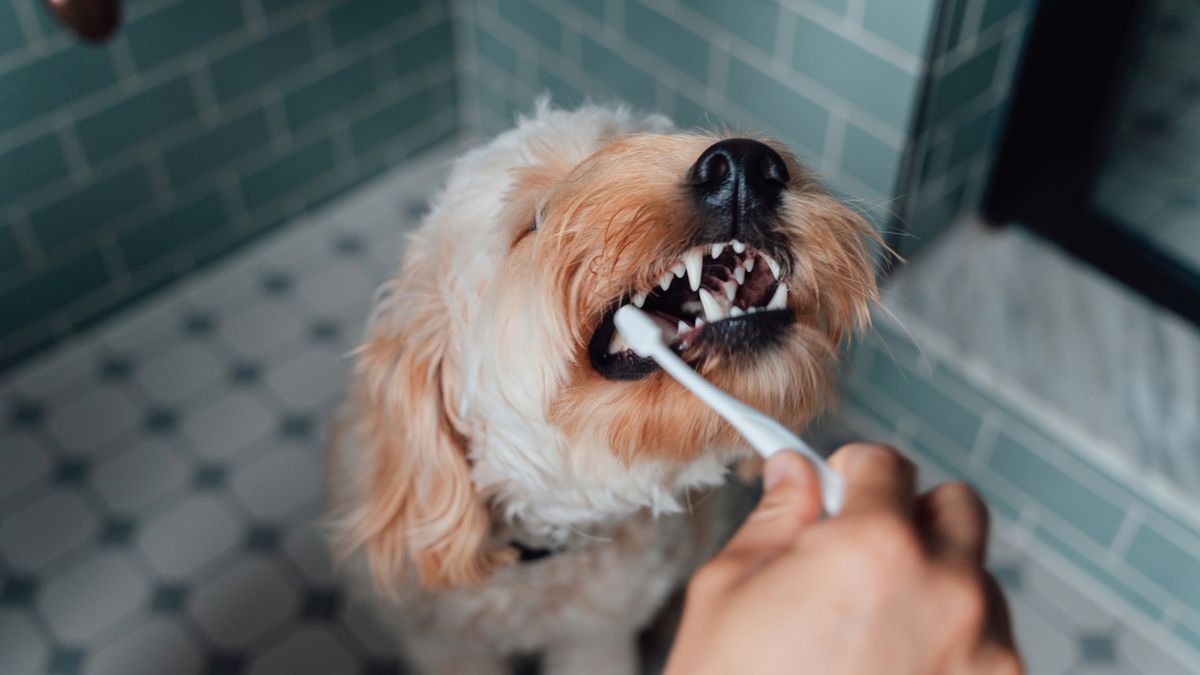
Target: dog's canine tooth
{"type": "Point", "coordinates": [712, 308]}
{"type": "Point", "coordinates": [736, 311]}
{"type": "Point", "coordinates": [699, 322]}
{"type": "Point", "coordinates": [716, 250]}
{"type": "Point", "coordinates": [678, 270]}
{"type": "Point", "coordinates": [618, 343]}
{"type": "Point", "coordinates": [639, 299]}
{"type": "Point", "coordinates": [779, 300]}
{"type": "Point", "coordinates": [752, 310]}
{"type": "Point", "coordinates": [682, 327]}
{"type": "Point", "coordinates": [664, 282]}
{"type": "Point", "coordinates": [694, 262]}
{"type": "Point", "coordinates": [748, 263]}
{"type": "Point", "coordinates": [738, 246]}
{"type": "Point", "coordinates": [773, 265]}
{"type": "Point", "coordinates": [739, 275]}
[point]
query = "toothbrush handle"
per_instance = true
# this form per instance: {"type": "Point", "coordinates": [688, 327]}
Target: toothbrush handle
{"type": "Point", "coordinates": [765, 434]}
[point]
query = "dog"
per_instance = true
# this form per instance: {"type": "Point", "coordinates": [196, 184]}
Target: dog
{"type": "Point", "coordinates": [506, 472]}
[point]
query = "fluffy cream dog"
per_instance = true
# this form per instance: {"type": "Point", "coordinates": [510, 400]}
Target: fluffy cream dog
{"type": "Point", "coordinates": [496, 411]}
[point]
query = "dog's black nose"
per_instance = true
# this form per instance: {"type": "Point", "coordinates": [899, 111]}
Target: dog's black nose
{"type": "Point", "coordinates": [737, 179]}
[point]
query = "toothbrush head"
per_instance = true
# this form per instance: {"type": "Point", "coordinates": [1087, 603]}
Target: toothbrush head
{"type": "Point", "coordinates": [639, 330]}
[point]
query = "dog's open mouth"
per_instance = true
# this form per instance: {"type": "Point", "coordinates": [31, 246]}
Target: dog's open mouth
{"type": "Point", "coordinates": [725, 296]}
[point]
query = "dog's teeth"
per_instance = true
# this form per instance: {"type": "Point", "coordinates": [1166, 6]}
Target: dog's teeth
{"type": "Point", "coordinates": [691, 307]}
{"type": "Point", "coordinates": [716, 250]}
{"type": "Point", "coordinates": [730, 290]}
{"type": "Point", "coordinates": [694, 262]}
{"type": "Point", "coordinates": [779, 300]}
{"type": "Point", "coordinates": [664, 282]}
{"type": "Point", "coordinates": [773, 265]}
{"type": "Point", "coordinates": [682, 327]}
{"type": "Point", "coordinates": [748, 263]}
{"type": "Point", "coordinates": [699, 322]}
{"type": "Point", "coordinates": [618, 344]}
{"type": "Point", "coordinates": [736, 311]}
{"type": "Point", "coordinates": [752, 310]}
{"type": "Point", "coordinates": [639, 299]}
{"type": "Point", "coordinates": [678, 270]}
{"type": "Point", "coordinates": [712, 308]}
{"type": "Point", "coordinates": [739, 275]}
{"type": "Point", "coordinates": [738, 246]}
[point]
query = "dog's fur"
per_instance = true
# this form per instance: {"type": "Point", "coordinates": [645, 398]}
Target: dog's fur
{"type": "Point", "coordinates": [477, 418]}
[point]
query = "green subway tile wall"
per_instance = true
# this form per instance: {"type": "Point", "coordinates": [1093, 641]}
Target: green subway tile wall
{"type": "Point", "coordinates": [837, 81]}
{"type": "Point", "coordinates": [974, 53]}
{"type": "Point", "coordinates": [201, 126]}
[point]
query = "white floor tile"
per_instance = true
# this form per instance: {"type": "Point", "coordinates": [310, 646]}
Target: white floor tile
{"type": "Point", "coordinates": [156, 647]}
{"type": "Point", "coordinates": [181, 370]}
{"type": "Point", "coordinates": [23, 650]}
{"type": "Point", "coordinates": [188, 536]}
{"type": "Point", "coordinates": [244, 602]}
{"type": "Point", "coordinates": [46, 529]}
{"type": "Point", "coordinates": [23, 462]}
{"type": "Point", "coordinates": [135, 476]}
{"type": "Point", "coordinates": [228, 424]}
{"type": "Point", "coordinates": [279, 482]}
{"type": "Point", "coordinates": [308, 651]}
{"type": "Point", "coordinates": [94, 418]}
{"type": "Point", "coordinates": [92, 595]}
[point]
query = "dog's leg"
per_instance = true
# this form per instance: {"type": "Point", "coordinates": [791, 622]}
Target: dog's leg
{"type": "Point", "coordinates": [611, 652]}
{"type": "Point", "coordinates": [441, 655]}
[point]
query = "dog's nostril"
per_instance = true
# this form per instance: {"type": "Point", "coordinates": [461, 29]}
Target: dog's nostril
{"type": "Point", "coordinates": [738, 176]}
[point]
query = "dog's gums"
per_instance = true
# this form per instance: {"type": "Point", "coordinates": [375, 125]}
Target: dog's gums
{"type": "Point", "coordinates": [724, 295]}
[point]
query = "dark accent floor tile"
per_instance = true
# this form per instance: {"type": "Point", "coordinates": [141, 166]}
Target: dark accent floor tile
{"type": "Point", "coordinates": [325, 330]}
{"type": "Point", "coordinates": [1097, 648]}
{"type": "Point", "coordinates": [263, 538]}
{"type": "Point", "coordinates": [65, 661]}
{"type": "Point", "coordinates": [160, 420]}
{"type": "Point", "coordinates": [116, 368]}
{"type": "Point", "coordinates": [276, 283]}
{"type": "Point", "coordinates": [210, 476]}
{"type": "Point", "coordinates": [198, 324]}
{"type": "Point", "coordinates": [296, 426]}
{"type": "Point", "coordinates": [226, 664]}
{"type": "Point", "coordinates": [168, 598]}
{"type": "Point", "coordinates": [117, 531]}
{"type": "Point", "coordinates": [70, 471]}
{"type": "Point", "coordinates": [18, 590]}
{"type": "Point", "coordinates": [321, 604]}
{"type": "Point", "coordinates": [244, 372]}
{"type": "Point", "coordinates": [27, 414]}
{"type": "Point", "coordinates": [349, 245]}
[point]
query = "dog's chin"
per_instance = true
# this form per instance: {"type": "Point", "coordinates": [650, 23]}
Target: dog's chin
{"type": "Point", "coordinates": [726, 300]}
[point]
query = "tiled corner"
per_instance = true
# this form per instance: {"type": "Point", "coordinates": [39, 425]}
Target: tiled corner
{"type": "Point", "coordinates": [244, 115]}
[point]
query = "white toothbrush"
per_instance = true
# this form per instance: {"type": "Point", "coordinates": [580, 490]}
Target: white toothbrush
{"type": "Point", "coordinates": [765, 434]}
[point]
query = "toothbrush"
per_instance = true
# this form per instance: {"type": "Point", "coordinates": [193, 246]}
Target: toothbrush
{"type": "Point", "coordinates": [765, 434]}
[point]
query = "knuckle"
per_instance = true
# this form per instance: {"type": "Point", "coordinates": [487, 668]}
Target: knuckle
{"type": "Point", "coordinates": [893, 538]}
{"type": "Point", "coordinates": [966, 597]}
{"type": "Point", "coordinates": [714, 577]}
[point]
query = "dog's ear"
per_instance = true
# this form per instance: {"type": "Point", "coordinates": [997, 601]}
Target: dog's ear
{"type": "Point", "coordinates": [419, 509]}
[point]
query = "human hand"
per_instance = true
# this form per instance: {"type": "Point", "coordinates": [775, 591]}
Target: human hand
{"type": "Point", "coordinates": [892, 585]}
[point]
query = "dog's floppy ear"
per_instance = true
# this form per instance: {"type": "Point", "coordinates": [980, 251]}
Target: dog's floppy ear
{"type": "Point", "coordinates": [419, 509]}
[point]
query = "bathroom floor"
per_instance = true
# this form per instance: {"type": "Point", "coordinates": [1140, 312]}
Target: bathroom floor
{"type": "Point", "coordinates": [161, 479]}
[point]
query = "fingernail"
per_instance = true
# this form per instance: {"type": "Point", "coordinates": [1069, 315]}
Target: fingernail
{"type": "Point", "coordinates": [783, 465]}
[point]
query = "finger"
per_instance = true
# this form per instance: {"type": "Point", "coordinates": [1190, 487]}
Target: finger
{"type": "Point", "coordinates": [791, 502]}
{"type": "Point", "coordinates": [954, 523]}
{"type": "Point", "coordinates": [877, 476]}
{"type": "Point", "coordinates": [999, 625]}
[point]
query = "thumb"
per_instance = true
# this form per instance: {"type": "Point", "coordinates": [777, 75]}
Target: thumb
{"type": "Point", "coordinates": [791, 502]}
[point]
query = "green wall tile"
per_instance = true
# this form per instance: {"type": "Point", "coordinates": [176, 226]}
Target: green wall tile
{"type": "Point", "coordinates": [494, 52]}
{"type": "Point", "coordinates": [30, 165]}
{"type": "Point", "coordinates": [246, 69]}
{"type": "Point", "coordinates": [562, 93]}
{"type": "Point", "coordinates": [622, 77]}
{"type": "Point", "coordinates": [357, 19]}
{"type": "Point", "coordinates": [533, 20]}
{"type": "Point", "coordinates": [873, 162]}
{"type": "Point", "coordinates": [1189, 634]}
{"type": "Point", "coordinates": [427, 47]}
{"type": "Point", "coordinates": [287, 173]}
{"type": "Point", "coordinates": [216, 147]}
{"type": "Point", "coordinates": [838, 6]}
{"type": "Point", "coordinates": [866, 80]}
{"type": "Point", "coordinates": [273, 6]}
{"type": "Point", "coordinates": [1170, 565]}
{"type": "Point", "coordinates": [804, 121]}
{"type": "Point", "coordinates": [58, 283]}
{"type": "Point", "coordinates": [11, 37]}
{"type": "Point", "coordinates": [907, 24]}
{"type": "Point", "coordinates": [10, 252]}
{"type": "Point", "coordinates": [964, 83]}
{"type": "Point", "coordinates": [671, 42]}
{"type": "Point", "coordinates": [137, 118]}
{"type": "Point", "coordinates": [690, 114]}
{"type": "Point", "coordinates": [974, 136]}
{"type": "Point", "coordinates": [754, 22]}
{"type": "Point", "coordinates": [956, 16]}
{"type": "Point", "coordinates": [998, 10]}
{"type": "Point", "coordinates": [1057, 491]}
{"type": "Point", "coordinates": [47, 25]}
{"type": "Point", "coordinates": [391, 121]}
{"type": "Point", "coordinates": [45, 84]}
{"type": "Point", "coordinates": [595, 8]}
{"type": "Point", "coordinates": [174, 231]}
{"type": "Point", "coordinates": [178, 28]}
{"type": "Point", "coordinates": [91, 208]}
{"type": "Point", "coordinates": [1094, 568]}
{"type": "Point", "coordinates": [318, 99]}
{"type": "Point", "coordinates": [926, 400]}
